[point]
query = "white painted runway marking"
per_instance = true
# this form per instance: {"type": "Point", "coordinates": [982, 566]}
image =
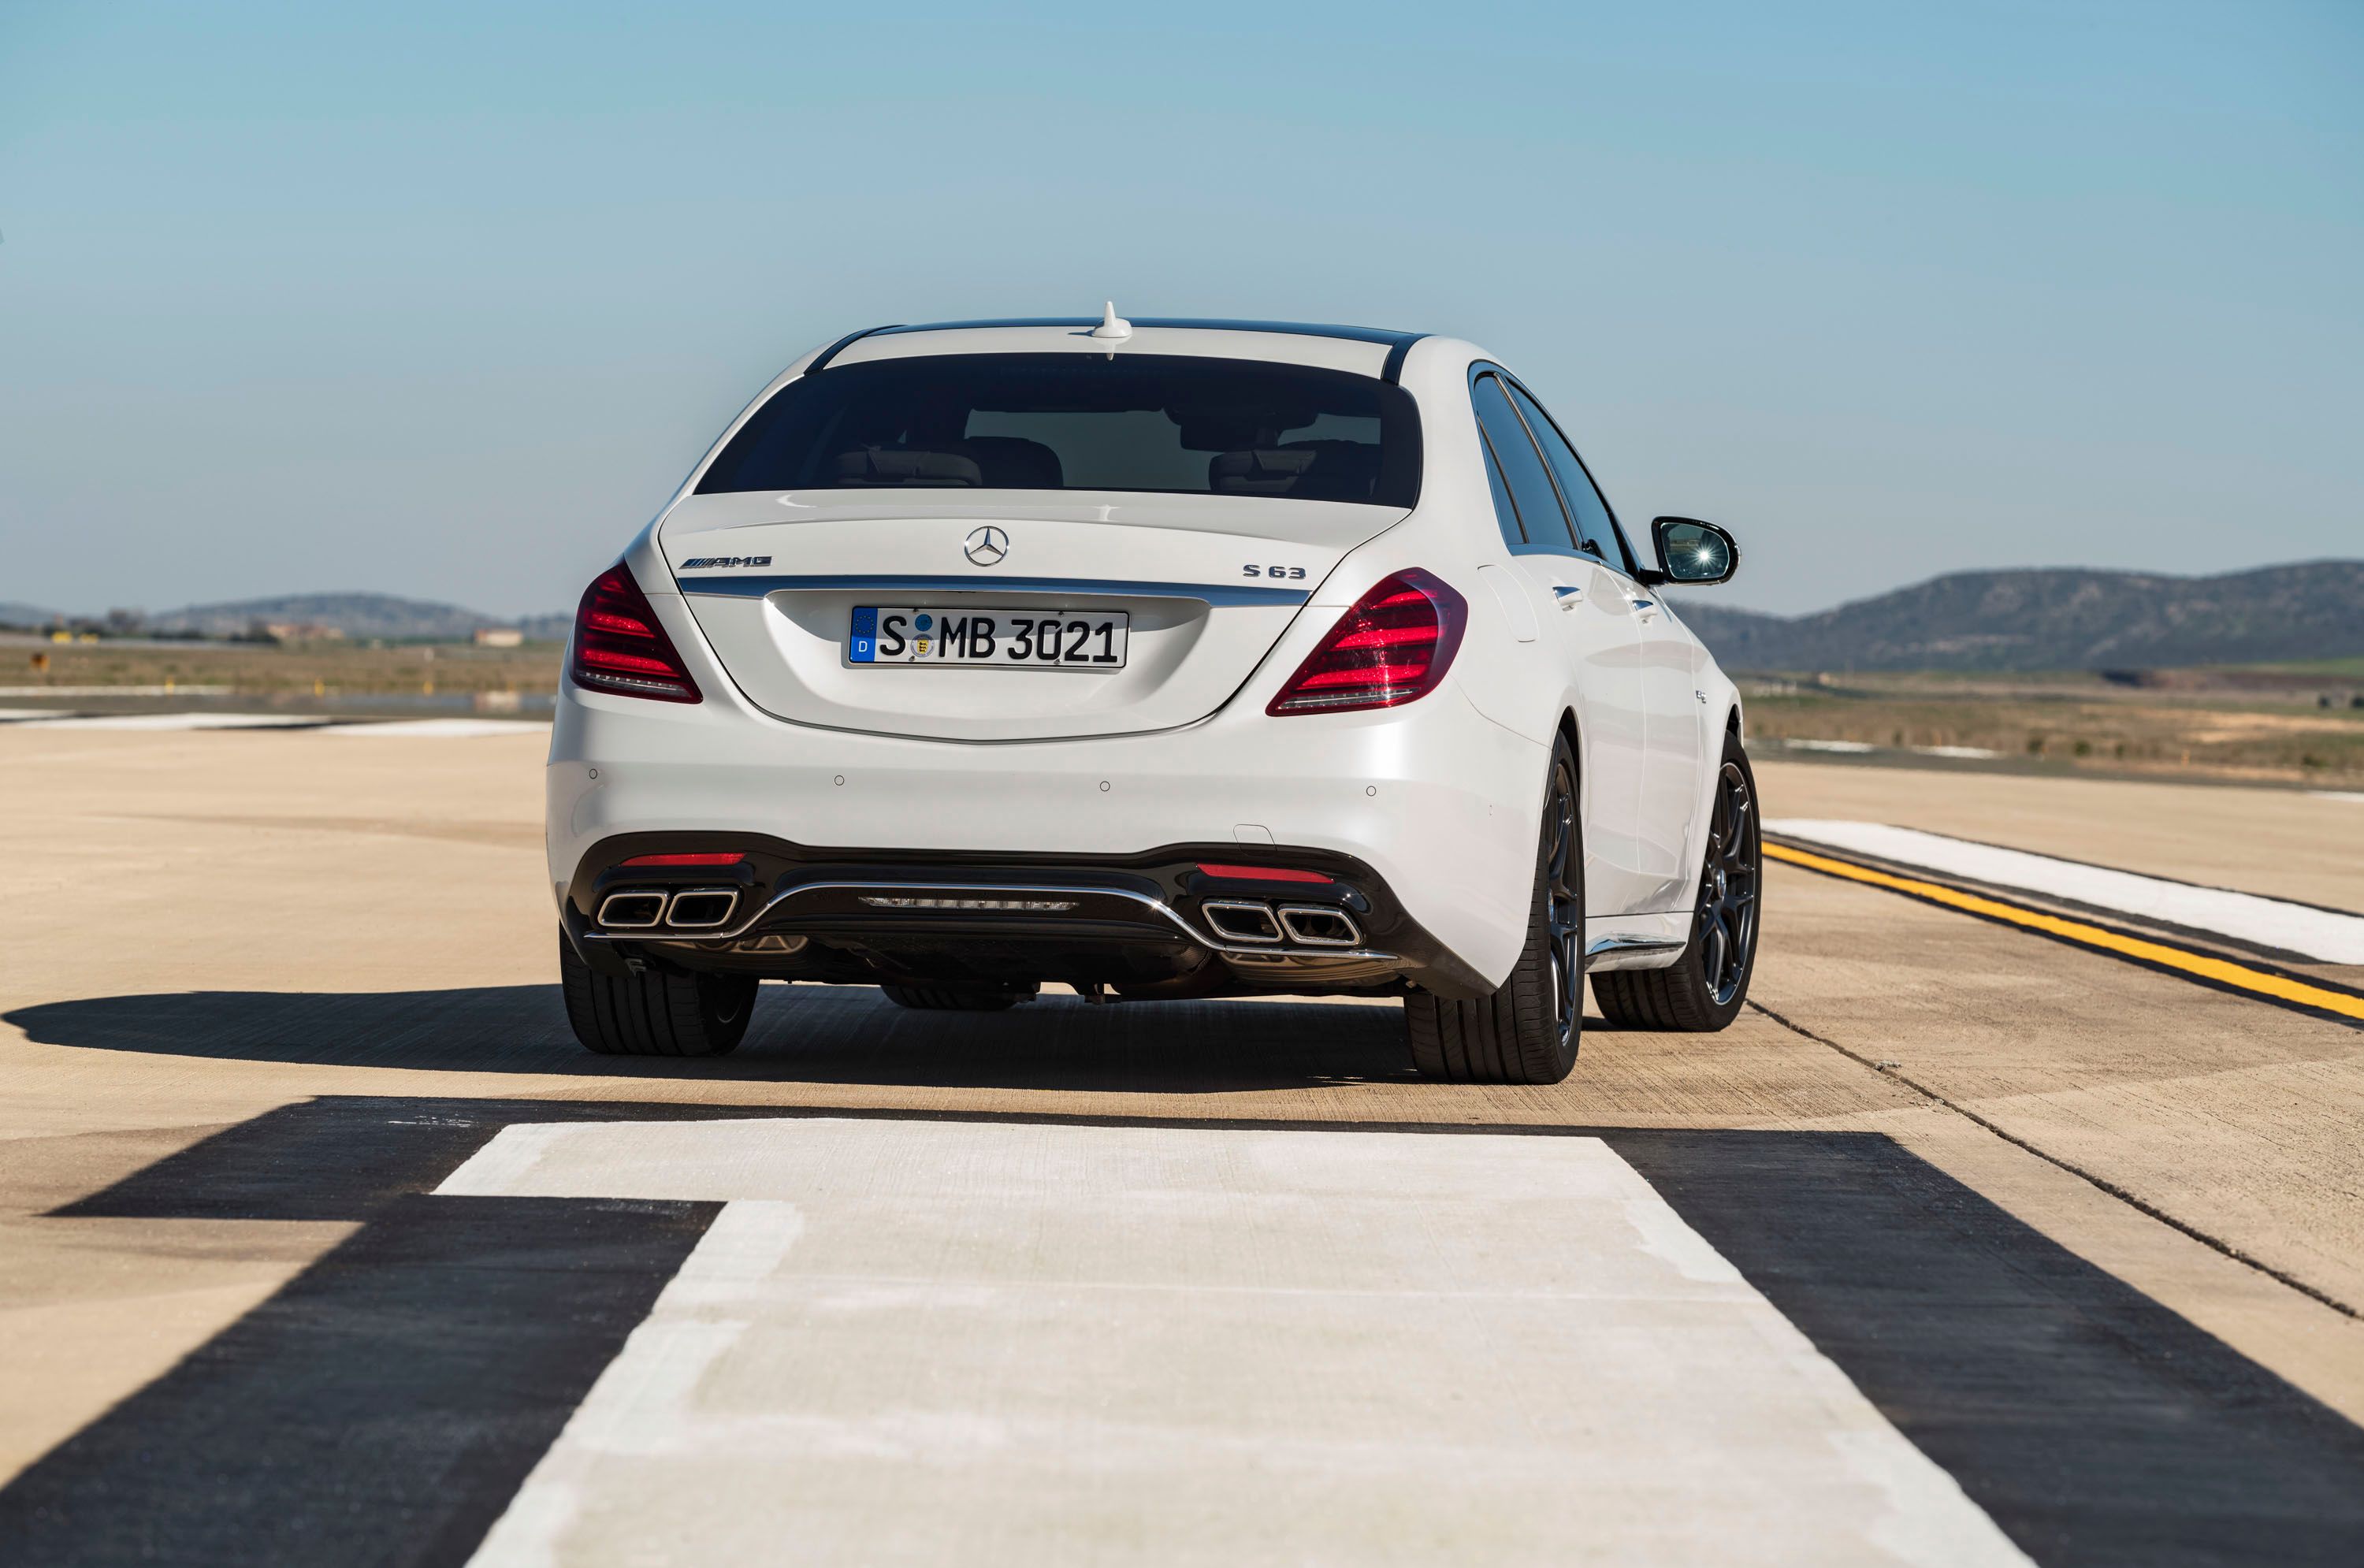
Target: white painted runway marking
{"type": "Point", "coordinates": [321, 723]}
{"type": "Point", "coordinates": [168, 721]}
{"type": "Point", "coordinates": [2320, 934]}
{"type": "Point", "coordinates": [175, 690]}
{"type": "Point", "coordinates": [441, 727]}
{"type": "Point", "coordinates": [1005, 1343]}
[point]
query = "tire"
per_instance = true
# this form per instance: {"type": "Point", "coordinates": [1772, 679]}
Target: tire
{"type": "Point", "coordinates": [950, 999]}
{"type": "Point", "coordinates": [1704, 989]}
{"type": "Point", "coordinates": [654, 1013]}
{"type": "Point", "coordinates": [1527, 1032]}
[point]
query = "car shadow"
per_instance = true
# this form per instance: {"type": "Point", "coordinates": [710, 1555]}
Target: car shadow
{"type": "Point", "coordinates": [804, 1033]}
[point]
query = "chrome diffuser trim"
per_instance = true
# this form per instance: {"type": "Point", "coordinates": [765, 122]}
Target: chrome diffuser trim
{"type": "Point", "coordinates": [1157, 906]}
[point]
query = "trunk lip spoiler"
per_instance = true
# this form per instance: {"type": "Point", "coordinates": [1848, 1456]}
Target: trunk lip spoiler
{"type": "Point", "coordinates": [735, 587]}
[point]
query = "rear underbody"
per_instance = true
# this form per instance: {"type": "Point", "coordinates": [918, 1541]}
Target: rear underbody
{"type": "Point", "coordinates": [1180, 922]}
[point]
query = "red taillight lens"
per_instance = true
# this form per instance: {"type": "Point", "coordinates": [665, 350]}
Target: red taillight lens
{"type": "Point", "coordinates": [1263, 874]}
{"type": "Point", "coordinates": [621, 647]}
{"type": "Point", "coordinates": [1393, 646]}
{"type": "Point", "coordinates": [701, 860]}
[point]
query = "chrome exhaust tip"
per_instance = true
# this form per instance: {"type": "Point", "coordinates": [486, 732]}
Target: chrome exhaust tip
{"type": "Point", "coordinates": [633, 909]}
{"type": "Point", "coordinates": [1237, 920]}
{"type": "Point", "coordinates": [702, 909]}
{"type": "Point", "coordinates": [1318, 926]}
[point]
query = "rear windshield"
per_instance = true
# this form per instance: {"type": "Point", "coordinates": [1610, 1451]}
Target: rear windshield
{"type": "Point", "coordinates": [1148, 422]}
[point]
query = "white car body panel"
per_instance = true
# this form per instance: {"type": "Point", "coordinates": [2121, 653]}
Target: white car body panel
{"type": "Point", "coordinates": [781, 633]}
{"type": "Point", "coordinates": [1439, 797]}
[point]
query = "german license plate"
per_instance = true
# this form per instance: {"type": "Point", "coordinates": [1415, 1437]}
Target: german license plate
{"type": "Point", "coordinates": [1034, 640]}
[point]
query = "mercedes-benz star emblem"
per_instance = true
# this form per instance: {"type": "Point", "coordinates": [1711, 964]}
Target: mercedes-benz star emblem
{"type": "Point", "coordinates": [987, 546]}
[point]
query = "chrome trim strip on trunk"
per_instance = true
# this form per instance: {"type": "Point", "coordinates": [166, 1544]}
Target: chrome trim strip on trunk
{"type": "Point", "coordinates": [729, 587]}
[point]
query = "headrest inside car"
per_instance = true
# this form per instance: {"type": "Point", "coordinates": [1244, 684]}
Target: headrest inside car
{"type": "Point", "coordinates": [890, 465]}
{"type": "Point", "coordinates": [1317, 471]}
{"type": "Point", "coordinates": [1013, 463]}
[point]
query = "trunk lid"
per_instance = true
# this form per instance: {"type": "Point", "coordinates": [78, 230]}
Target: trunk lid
{"type": "Point", "coordinates": [773, 580]}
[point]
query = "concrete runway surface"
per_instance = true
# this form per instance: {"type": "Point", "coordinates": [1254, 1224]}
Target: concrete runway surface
{"type": "Point", "coordinates": [1976, 1240]}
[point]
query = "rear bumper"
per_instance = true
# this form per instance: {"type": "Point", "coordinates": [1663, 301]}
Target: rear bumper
{"type": "Point", "coordinates": [1176, 921]}
{"type": "Point", "coordinates": [1423, 811]}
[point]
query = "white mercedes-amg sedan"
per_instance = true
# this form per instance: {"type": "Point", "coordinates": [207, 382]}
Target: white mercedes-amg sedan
{"type": "Point", "coordinates": [1154, 659]}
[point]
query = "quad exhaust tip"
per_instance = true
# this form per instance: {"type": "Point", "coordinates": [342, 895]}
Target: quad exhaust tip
{"type": "Point", "coordinates": [1238, 920]}
{"type": "Point", "coordinates": [1301, 925]}
{"type": "Point", "coordinates": [646, 908]}
{"type": "Point", "coordinates": [637, 910]}
{"type": "Point", "coordinates": [702, 909]}
{"type": "Point", "coordinates": [1315, 925]}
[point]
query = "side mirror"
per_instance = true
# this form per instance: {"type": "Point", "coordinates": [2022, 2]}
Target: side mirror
{"type": "Point", "coordinates": [1693, 554]}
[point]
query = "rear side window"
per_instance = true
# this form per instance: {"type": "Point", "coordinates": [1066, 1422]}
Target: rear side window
{"type": "Point", "coordinates": [1141, 422]}
{"type": "Point", "coordinates": [1540, 519]}
{"type": "Point", "coordinates": [1596, 530]}
{"type": "Point", "coordinates": [1506, 515]}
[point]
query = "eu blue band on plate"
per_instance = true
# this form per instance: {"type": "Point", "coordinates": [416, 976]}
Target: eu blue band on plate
{"type": "Point", "coordinates": [864, 644]}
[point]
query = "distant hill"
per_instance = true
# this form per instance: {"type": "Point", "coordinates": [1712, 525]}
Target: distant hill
{"type": "Point", "coordinates": [355, 615]}
{"type": "Point", "coordinates": [25, 615]}
{"type": "Point", "coordinates": [2056, 620]}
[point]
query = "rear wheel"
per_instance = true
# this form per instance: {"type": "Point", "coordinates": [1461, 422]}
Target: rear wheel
{"type": "Point", "coordinates": [952, 999]}
{"type": "Point", "coordinates": [1703, 990]}
{"type": "Point", "coordinates": [654, 1013]}
{"type": "Point", "coordinates": [1526, 1032]}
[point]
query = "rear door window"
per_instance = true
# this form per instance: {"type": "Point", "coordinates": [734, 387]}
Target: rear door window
{"type": "Point", "coordinates": [1506, 515]}
{"type": "Point", "coordinates": [1543, 524]}
{"type": "Point", "coordinates": [1596, 527]}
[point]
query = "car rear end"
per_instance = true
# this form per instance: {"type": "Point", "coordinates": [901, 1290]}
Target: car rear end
{"type": "Point", "coordinates": [991, 656]}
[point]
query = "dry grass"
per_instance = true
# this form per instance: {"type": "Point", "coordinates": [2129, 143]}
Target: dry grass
{"type": "Point", "coordinates": [325, 669]}
{"type": "Point", "coordinates": [2259, 724]}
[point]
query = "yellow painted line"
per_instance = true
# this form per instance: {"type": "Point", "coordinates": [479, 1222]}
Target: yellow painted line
{"type": "Point", "coordinates": [2223, 972]}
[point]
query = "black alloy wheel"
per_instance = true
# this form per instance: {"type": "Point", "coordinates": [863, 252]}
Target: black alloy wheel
{"type": "Point", "coordinates": [1564, 908]}
{"type": "Point", "coordinates": [1705, 988]}
{"type": "Point", "coordinates": [1725, 928]}
{"type": "Point", "coordinates": [1528, 1030]}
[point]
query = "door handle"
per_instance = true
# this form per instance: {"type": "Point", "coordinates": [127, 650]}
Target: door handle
{"type": "Point", "coordinates": [1568, 595]}
{"type": "Point", "coordinates": [1646, 607]}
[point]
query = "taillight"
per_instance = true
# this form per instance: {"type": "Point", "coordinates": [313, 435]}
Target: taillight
{"type": "Point", "coordinates": [1393, 646]}
{"type": "Point", "coordinates": [621, 647]}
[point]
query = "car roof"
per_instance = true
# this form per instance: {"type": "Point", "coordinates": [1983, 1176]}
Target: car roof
{"type": "Point", "coordinates": [1361, 351]}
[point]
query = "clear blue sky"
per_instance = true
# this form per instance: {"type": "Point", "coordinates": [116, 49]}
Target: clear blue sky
{"type": "Point", "coordinates": [441, 300]}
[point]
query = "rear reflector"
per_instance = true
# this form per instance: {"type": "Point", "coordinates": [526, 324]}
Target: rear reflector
{"type": "Point", "coordinates": [1263, 873]}
{"type": "Point", "coordinates": [621, 647]}
{"type": "Point", "coordinates": [718, 859]}
{"type": "Point", "coordinates": [1392, 647]}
